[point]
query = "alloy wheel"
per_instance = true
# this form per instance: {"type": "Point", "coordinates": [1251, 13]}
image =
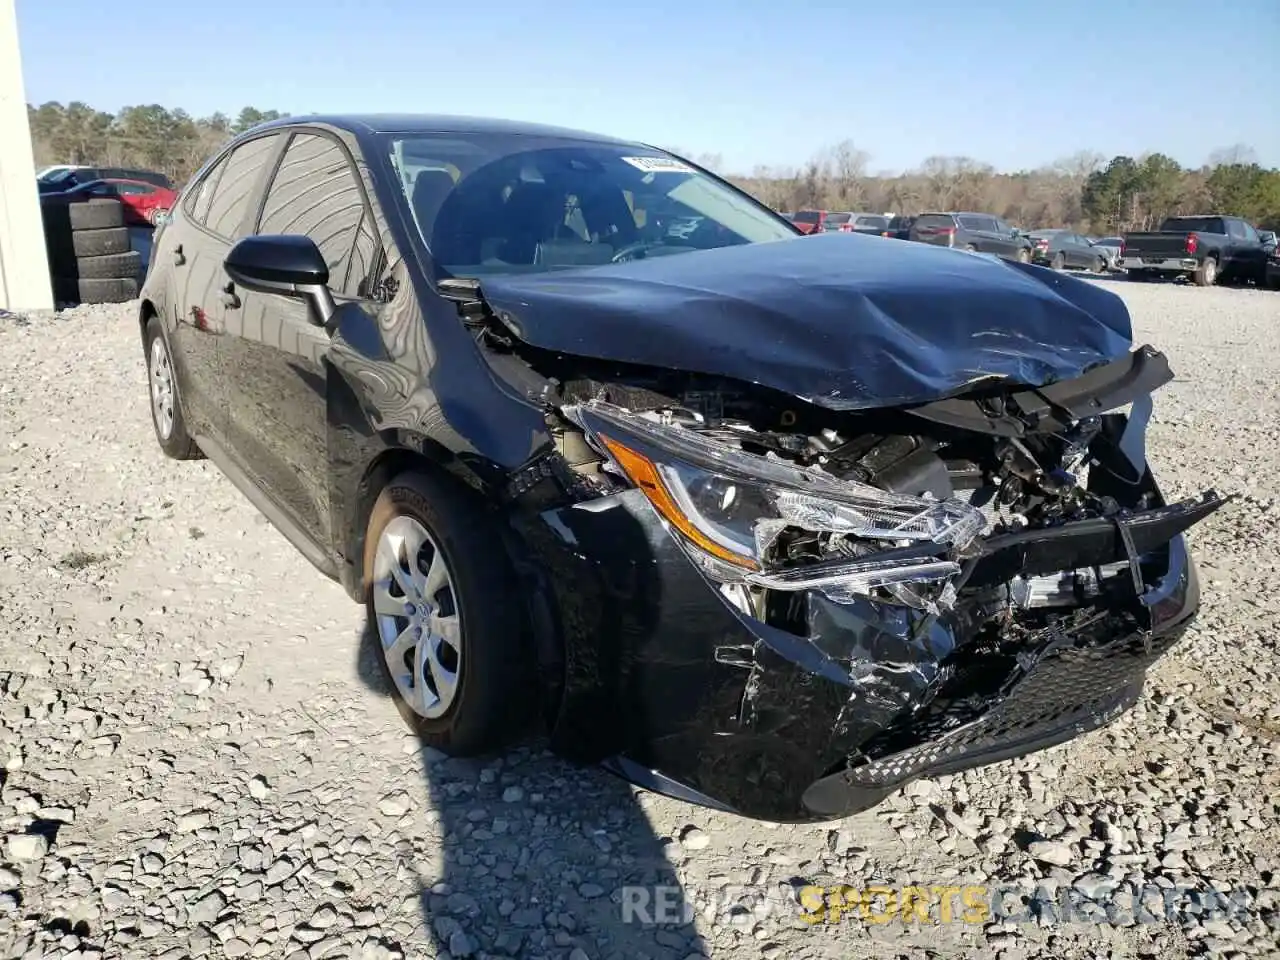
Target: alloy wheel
{"type": "Point", "coordinates": [417, 616]}
{"type": "Point", "coordinates": [161, 387]}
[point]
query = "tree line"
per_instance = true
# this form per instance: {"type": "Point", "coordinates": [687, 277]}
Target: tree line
{"type": "Point", "coordinates": [1084, 191]}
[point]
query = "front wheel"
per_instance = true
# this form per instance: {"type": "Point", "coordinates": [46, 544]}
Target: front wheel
{"type": "Point", "coordinates": [443, 600]}
{"type": "Point", "coordinates": [166, 407]}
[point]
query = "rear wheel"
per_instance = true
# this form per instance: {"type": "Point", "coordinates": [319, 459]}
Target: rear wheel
{"type": "Point", "coordinates": [1207, 274]}
{"type": "Point", "coordinates": [1024, 255]}
{"type": "Point", "coordinates": [1099, 265]}
{"type": "Point", "coordinates": [166, 410]}
{"type": "Point", "coordinates": [443, 600]}
{"type": "Point", "coordinates": [1059, 261]}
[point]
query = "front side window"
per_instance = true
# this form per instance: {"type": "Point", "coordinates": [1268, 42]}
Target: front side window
{"type": "Point", "coordinates": [497, 203]}
{"type": "Point", "coordinates": [315, 193]}
{"type": "Point", "coordinates": [235, 184]}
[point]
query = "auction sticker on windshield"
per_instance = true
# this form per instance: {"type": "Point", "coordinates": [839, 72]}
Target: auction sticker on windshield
{"type": "Point", "coordinates": [658, 164]}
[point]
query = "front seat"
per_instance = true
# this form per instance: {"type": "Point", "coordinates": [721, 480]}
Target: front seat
{"type": "Point", "coordinates": [533, 213]}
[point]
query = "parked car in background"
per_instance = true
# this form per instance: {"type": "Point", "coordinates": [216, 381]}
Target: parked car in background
{"type": "Point", "coordinates": [46, 174]}
{"type": "Point", "coordinates": [899, 227]}
{"type": "Point", "coordinates": [650, 500]}
{"type": "Point", "coordinates": [74, 176]}
{"type": "Point", "coordinates": [1204, 248]}
{"type": "Point", "coordinates": [1063, 249]}
{"type": "Point", "coordinates": [1271, 276]}
{"type": "Point", "coordinates": [869, 223]}
{"type": "Point", "coordinates": [1110, 248]}
{"type": "Point", "coordinates": [979, 232]}
{"type": "Point", "coordinates": [145, 204]}
{"type": "Point", "coordinates": [810, 221]}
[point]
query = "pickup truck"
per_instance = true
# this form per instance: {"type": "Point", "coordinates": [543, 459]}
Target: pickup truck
{"type": "Point", "coordinates": [1202, 248]}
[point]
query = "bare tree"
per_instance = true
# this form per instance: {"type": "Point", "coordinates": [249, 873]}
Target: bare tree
{"type": "Point", "coordinates": [849, 170]}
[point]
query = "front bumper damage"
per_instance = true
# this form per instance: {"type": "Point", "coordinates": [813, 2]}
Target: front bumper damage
{"type": "Point", "coordinates": [671, 685]}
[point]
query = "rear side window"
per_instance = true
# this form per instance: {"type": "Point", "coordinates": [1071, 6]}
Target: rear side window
{"type": "Point", "coordinates": [977, 223]}
{"type": "Point", "coordinates": [235, 184]}
{"type": "Point", "coordinates": [197, 202]}
{"type": "Point", "coordinates": [806, 216]}
{"type": "Point", "coordinates": [934, 221]}
{"type": "Point", "coordinates": [315, 193]}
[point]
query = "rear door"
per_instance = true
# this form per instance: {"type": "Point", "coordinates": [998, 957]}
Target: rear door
{"type": "Point", "coordinates": [215, 214]}
{"type": "Point", "coordinates": [979, 232]}
{"type": "Point", "coordinates": [1005, 240]}
{"type": "Point", "coordinates": [276, 372]}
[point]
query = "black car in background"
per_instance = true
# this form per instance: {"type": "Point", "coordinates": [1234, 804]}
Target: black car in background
{"type": "Point", "coordinates": [1202, 248]}
{"type": "Point", "coordinates": [978, 232]}
{"type": "Point", "coordinates": [1063, 249]}
{"type": "Point", "coordinates": [899, 226]}
{"type": "Point", "coordinates": [77, 176]}
{"type": "Point", "coordinates": [646, 487]}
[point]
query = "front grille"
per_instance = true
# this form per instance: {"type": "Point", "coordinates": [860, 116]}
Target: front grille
{"type": "Point", "coordinates": [1078, 683]}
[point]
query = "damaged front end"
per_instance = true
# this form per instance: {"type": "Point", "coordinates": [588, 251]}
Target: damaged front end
{"type": "Point", "coordinates": [894, 593]}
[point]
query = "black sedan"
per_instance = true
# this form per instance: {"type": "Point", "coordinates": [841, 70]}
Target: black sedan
{"type": "Point", "coordinates": [1063, 249]}
{"type": "Point", "coordinates": [773, 524]}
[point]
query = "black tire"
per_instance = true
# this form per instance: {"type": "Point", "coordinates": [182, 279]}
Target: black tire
{"type": "Point", "coordinates": [1138, 276]}
{"type": "Point", "coordinates": [98, 243]}
{"type": "Point", "coordinates": [1059, 261]}
{"type": "Point", "coordinates": [96, 214]}
{"type": "Point", "coordinates": [112, 266]}
{"type": "Point", "coordinates": [495, 694]}
{"type": "Point", "coordinates": [1207, 274]}
{"type": "Point", "coordinates": [1024, 256]}
{"type": "Point", "coordinates": [76, 290]}
{"type": "Point", "coordinates": [178, 445]}
{"type": "Point", "coordinates": [970, 248]}
{"type": "Point", "coordinates": [1099, 265]}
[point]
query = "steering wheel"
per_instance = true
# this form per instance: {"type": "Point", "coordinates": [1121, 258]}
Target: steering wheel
{"type": "Point", "coordinates": [629, 251]}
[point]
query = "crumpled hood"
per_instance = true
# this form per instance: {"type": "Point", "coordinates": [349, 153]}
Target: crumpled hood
{"type": "Point", "coordinates": [842, 320]}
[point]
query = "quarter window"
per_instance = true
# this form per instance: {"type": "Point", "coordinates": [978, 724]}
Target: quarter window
{"type": "Point", "coordinates": [235, 185]}
{"type": "Point", "coordinates": [315, 193]}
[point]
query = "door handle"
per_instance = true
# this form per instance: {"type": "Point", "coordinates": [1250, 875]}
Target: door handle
{"type": "Point", "coordinates": [229, 298]}
{"type": "Point", "coordinates": [178, 258]}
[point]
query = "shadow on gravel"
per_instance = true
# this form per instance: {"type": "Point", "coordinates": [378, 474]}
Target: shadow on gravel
{"type": "Point", "coordinates": [534, 855]}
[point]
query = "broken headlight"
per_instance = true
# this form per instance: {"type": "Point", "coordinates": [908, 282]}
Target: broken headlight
{"type": "Point", "coordinates": [728, 507]}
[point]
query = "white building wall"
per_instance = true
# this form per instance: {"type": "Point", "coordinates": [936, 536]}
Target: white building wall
{"type": "Point", "coordinates": [24, 266]}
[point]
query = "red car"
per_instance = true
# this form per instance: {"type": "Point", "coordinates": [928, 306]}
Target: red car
{"type": "Point", "coordinates": [810, 221]}
{"type": "Point", "coordinates": [143, 202]}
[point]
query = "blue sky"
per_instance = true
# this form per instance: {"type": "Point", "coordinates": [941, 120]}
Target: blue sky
{"type": "Point", "coordinates": [1013, 84]}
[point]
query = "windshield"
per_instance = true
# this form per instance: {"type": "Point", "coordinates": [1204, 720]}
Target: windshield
{"type": "Point", "coordinates": [497, 203]}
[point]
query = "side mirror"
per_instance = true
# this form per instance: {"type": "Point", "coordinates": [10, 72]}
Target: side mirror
{"type": "Point", "coordinates": [286, 264]}
{"type": "Point", "coordinates": [1267, 236]}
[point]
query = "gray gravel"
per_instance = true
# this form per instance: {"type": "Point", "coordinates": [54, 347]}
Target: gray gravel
{"type": "Point", "coordinates": [198, 759]}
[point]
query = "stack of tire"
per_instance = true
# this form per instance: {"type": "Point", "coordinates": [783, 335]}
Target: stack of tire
{"type": "Point", "coordinates": [91, 259]}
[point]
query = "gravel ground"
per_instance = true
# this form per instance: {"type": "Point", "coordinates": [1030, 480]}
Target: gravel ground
{"type": "Point", "coordinates": [199, 760]}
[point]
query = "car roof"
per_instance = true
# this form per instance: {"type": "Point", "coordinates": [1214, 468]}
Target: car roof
{"type": "Point", "coordinates": [424, 123]}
